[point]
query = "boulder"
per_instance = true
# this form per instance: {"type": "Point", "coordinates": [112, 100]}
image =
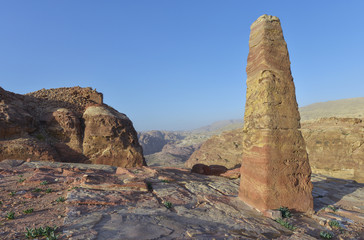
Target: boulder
{"type": "Point", "coordinates": [110, 138]}
{"type": "Point", "coordinates": [275, 169]}
{"type": "Point", "coordinates": [216, 170]}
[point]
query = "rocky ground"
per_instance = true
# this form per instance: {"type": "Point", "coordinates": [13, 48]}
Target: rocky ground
{"type": "Point", "coordinates": [105, 202]}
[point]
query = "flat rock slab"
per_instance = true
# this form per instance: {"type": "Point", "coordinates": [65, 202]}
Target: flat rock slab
{"type": "Point", "coordinates": [201, 207]}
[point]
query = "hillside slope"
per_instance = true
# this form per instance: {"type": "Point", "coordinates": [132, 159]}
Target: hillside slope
{"type": "Point", "coordinates": [351, 107]}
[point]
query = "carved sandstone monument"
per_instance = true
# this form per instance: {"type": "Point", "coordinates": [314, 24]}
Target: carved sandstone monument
{"type": "Point", "coordinates": [275, 170]}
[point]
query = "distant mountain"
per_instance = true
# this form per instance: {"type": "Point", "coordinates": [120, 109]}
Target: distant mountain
{"type": "Point", "coordinates": [351, 107]}
{"type": "Point", "coordinates": [220, 126]}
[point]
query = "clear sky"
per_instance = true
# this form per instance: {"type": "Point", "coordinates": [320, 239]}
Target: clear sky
{"type": "Point", "coordinates": [176, 64]}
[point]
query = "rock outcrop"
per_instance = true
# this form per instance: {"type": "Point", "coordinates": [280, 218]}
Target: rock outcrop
{"type": "Point", "coordinates": [336, 147]}
{"type": "Point", "coordinates": [110, 138]}
{"type": "Point", "coordinates": [224, 149]}
{"type": "Point", "coordinates": [275, 170]}
{"type": "Point", "coordinates": [68, 125]}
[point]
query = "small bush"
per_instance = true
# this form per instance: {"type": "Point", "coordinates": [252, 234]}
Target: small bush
{"type": "Point", "coordinates": [326, 235]}
{"type": "Point", "coordinates": [60, 199]}
{"type": "Point", "coordinates": [12, 193]}
{"type": "Point", "coordinates": [30, 210]}
{"type": "Point", "coordinates": [44, 183]}
{"type": "Point", "coordinates": [286, 213]}
{"type": "Point", "coordinates": [21, 180]}
{"type": "Point", "coordinates": [334, 224]}
{"type": "Point", "coordinates": [48, 232]}
{"type": "Point", "coordinates": [167, 204]}
{"type": "Point", "coordinates": [333, 208]}
{"type": "Point", "coordinates": [165, 181]}
{"type": "Point", "coordinates": [37, 190]}
{"type": "Point", "coordinates": [49, 190]}
{"type": "Point", "coordinates": [285, 224]}
{"type": "Point", "coordinates": [10, 215]}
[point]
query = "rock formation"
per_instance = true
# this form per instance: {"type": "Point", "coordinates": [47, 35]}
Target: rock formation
{"type": "Point", "coordinates": [224, 149]}
{"type": "Point", "coordinates": [154, 141]}
{"type": "Point", "coordinates": [275, 170]}
{"type": "Point", "coordinates": [66, 124]}
{"type": "Point", "coordinates": [336, 147]}
{"type": "Point", "coordinates": [110, 138]}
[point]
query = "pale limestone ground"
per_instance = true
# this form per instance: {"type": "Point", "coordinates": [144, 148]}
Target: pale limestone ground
{"type": "Point", "coordinates": [103, 202]}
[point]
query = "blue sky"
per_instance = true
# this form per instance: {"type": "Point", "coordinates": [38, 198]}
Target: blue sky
{"type": "Point", "coordinates": [176, 64]}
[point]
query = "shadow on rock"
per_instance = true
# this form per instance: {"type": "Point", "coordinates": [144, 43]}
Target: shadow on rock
{"type": "Point", "coordinates": [334, 191]}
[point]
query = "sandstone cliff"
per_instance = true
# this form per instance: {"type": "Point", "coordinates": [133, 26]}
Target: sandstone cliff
{"type": "Point", "coordinates": [224, 149]}
{"type": "Point", "coordinates": [334, 146]}
{"type": "Point", "coordinates": [66, 124]}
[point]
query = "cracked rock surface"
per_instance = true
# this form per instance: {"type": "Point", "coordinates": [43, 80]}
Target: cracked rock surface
{"type": "Point", "coordinates": [105, 202]}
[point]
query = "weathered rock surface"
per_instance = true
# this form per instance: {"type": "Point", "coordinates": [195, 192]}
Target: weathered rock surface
{"type": "Point", "coordinates": [275, 170]}
{"type": "Point", "coordinates": [105, 202]}
{"type": "Point", "coordinates": [110, 138]}
{"type": "Point", "coordinates": [224, 149]}
{"type": "Point", "coordinates": [335, 147]}
{"type": "Point", "coordinates": [63, 125]}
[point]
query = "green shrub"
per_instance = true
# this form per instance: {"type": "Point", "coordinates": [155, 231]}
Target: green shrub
{"type": "Point", "coordinates": [12, 193]}
{"type": "Point", "coordinates": [60, 199]}
{"type": "Point", "coordinates": [167, 204]}
{"type": "Point", "coordinates": [334, 224]}
{"type": "Point", "coordinates": [10, 215]}
{"type": "Point", "coordinates": [21, 180]}
{"type": "Point", "coordinates": [48, 232]}
{"type": "Point", "coordinates": [286, 213]}
{"type": "Point", "coordinates": [44, 183]}
{"type": "Point", "coordinates": [285, 224]}
{"type": "Point", "coordinates": [37, 190]}
{"type": "Point", "coordinates": [326, 235]}
{"type": "Point", "coordinates": [49, 190]}
{"type": "Point", "coordinates": [30, 210]}
{"type": "Point", "coordinates": [333, 208]}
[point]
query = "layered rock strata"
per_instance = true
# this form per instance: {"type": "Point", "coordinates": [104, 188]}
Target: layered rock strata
{"type": "Point", "coordinates": [275, 169]}
{"type": "Point", "coordinates": [224, 149]}
{"type": "Point", "coordinates": [68, 125]}
{"type": "Point", "coordinates": [336, 147]}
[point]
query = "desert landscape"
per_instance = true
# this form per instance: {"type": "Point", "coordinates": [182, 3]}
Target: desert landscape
{"type": "Point", "coordinates": [73, 167]}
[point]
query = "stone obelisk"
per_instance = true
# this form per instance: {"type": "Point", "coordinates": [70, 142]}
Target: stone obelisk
{"type": "Point", "coordinates": [275, 169]}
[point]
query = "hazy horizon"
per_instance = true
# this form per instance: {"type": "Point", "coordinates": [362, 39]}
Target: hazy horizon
{"type": "Point", "coordinates": [176, 65]}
